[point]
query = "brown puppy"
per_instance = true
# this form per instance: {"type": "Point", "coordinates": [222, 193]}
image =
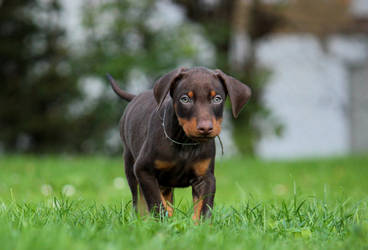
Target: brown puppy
{"type": "Point", "coordinates": [168, 135]}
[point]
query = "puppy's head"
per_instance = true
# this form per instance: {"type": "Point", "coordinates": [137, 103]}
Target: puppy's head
{"type": "Point", "coordinates": [199, 96]}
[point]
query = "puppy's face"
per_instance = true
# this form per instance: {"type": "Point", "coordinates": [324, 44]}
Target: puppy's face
{"type": "Point", "coordinates": [199, 99]}
{"type": "Point", "coordinates": [199, 96]}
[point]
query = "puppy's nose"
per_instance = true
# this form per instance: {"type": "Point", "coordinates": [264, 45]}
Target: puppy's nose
{"type": "Point", "coordinates": [205, 127]}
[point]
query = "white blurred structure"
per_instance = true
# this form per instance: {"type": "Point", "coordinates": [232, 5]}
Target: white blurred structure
{"type": "Point", "coordinates": [318, 93]}
{"type": "Point", "coordinates": [309, 91]}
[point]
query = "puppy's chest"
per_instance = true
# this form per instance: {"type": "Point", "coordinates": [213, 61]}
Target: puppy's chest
{"type": "Point", "coordinates": [180, 172]}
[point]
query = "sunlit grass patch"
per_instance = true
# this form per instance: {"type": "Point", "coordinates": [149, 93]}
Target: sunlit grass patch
{"type": "Point", "coordinates": [59, 202]}
{"type": "Point", "coordinates": [287, 224]}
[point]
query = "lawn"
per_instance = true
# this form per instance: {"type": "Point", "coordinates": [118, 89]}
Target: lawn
{"type": "Point", "coordinates": [66, 202]}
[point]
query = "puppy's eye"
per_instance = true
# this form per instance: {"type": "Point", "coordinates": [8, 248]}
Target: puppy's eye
{"type": "Point", "coordinates": [217, 99]}
{"type": "Point", "coordinates": [185, 99]}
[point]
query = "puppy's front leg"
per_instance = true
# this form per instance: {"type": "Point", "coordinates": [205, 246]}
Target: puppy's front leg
{"type": "Point", "coordinates": [149, 186]}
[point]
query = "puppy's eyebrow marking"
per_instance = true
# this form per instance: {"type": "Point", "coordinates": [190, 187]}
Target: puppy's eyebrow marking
{"type": "Point", "coordinates": [190, 94]}
{"type": "Point", "coordinates": [213, 93]}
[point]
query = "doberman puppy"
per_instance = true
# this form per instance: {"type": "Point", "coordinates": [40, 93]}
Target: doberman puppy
{"type": "Point", "coordinates": [168, 136]}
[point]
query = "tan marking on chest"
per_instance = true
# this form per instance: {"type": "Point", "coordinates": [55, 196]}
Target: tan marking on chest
{"type": "Point", "coordinates": [164, 165]}
{"type": "Point", "coordinates": [200, 168]}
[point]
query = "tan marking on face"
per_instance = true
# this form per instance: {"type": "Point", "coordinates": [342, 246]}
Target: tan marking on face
{"type": "Point", "coordinates": [190, 94]}
{"type": "Point", "coordinates": [142, 204]}
{"type": "Point", "coordinates": [200, 168]}
{"type": "Point", "coordinates": [197, 204]}
{"type": "Point", "coordinates": [213, 93]}
{"type": "Point", "coordinates": [167, 201]}
{"type": "Point", "coordinates": [164, 165]}
{"type": "Point", "coordinates": [216, 126]}
{"type": "Point", "coordinates": [189, 126]}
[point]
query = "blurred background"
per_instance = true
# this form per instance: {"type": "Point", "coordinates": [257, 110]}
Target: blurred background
{"type": "Point", "coordinates": [305, 60]}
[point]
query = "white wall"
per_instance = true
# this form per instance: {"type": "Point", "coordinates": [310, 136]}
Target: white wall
{"type": "Point", "coordinates": [308, 92]}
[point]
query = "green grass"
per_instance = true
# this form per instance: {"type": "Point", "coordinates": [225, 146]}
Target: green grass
{"type": "Point", "coordinates": [61, 202]}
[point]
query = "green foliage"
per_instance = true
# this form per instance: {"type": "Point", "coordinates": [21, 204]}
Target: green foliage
{"type": "Point", "coordinates": [36, 79]}
{"type": "Point", "coordinates": [310, 204]}
{"type": "Point", "coordinates": [131, 38]}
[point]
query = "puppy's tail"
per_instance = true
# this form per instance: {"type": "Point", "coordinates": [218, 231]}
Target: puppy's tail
{"type": "Point", "coordinates": [119, 91]}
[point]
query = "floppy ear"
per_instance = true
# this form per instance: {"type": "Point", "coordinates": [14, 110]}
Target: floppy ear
{"type": "Point", "coordinates": [164, 84]}
{"type": "Point", "coordinates": [238, 92]}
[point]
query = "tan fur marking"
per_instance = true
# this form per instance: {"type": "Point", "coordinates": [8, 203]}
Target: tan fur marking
{"type": "Point", "coordinates": [201, 167]}
{"type": "Point", "coordinates": [213, 93]}
{"type": "Point", "coordinates": [216, 126]}
{"type": "Point", "coordinates": [189, 126]}
{"type": "Point", "coordinates": [167, 201]}
{"type": "Point", "coordinates": [190, 94]}
{"type": "Point", "coordinates": [164, 165]}
{"type": "Point", "coordinates": [197, 205]}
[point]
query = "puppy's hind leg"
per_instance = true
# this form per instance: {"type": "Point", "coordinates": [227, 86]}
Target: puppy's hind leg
{"type": "Point", "coordinates": [129, 173]}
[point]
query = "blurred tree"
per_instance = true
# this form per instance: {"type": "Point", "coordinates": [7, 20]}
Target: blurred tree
{"type": "Point", "coordinates": [321, 18]}
{"type": "Point", "coordinates": [36, 80]}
